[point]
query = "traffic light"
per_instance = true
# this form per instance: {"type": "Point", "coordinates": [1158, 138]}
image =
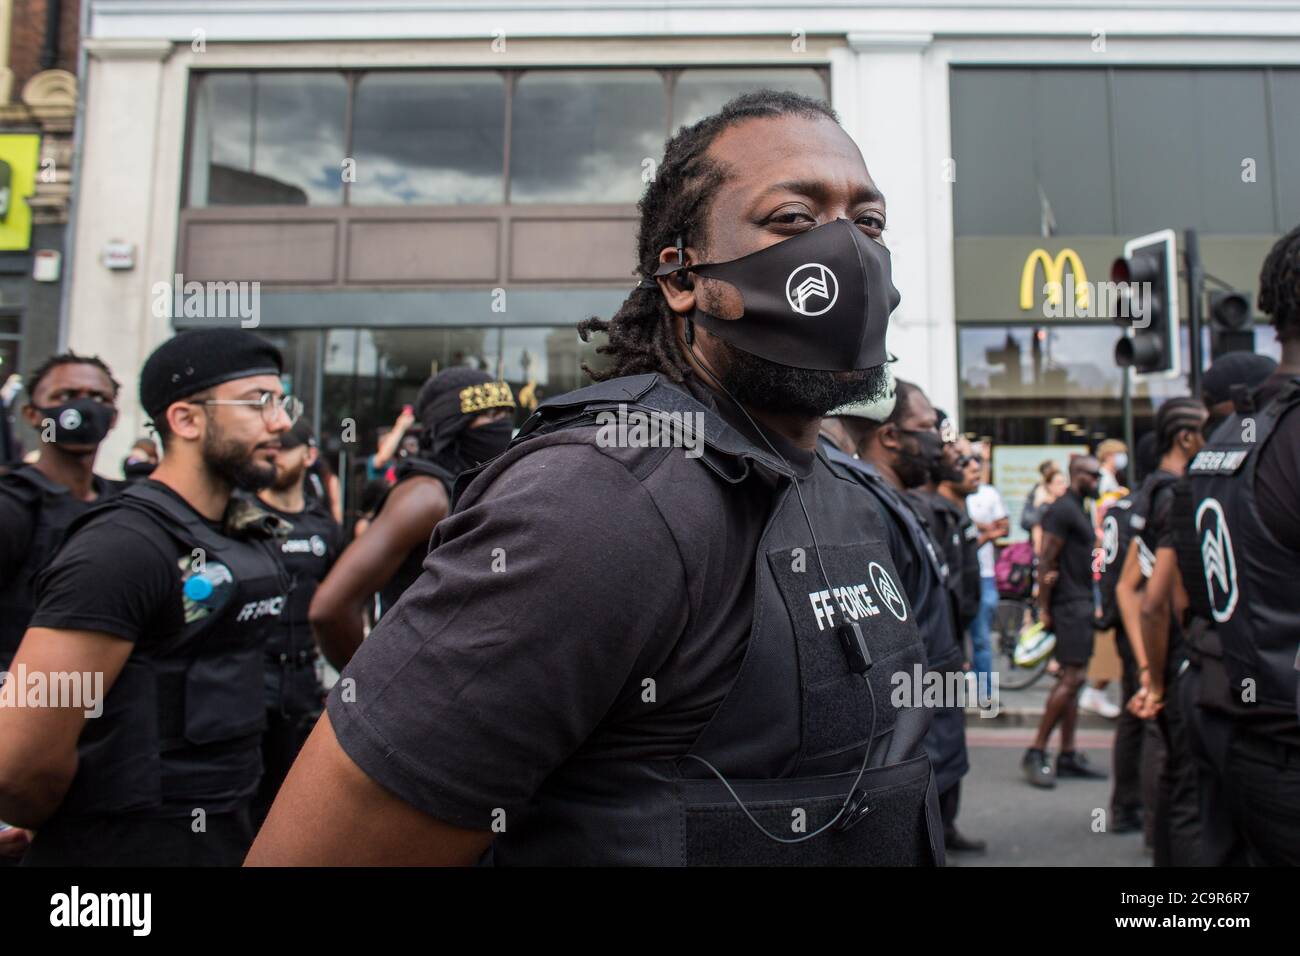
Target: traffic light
{"type": "Point", "coordinates": [1232, 326]}
{"type": "Point", "coordinates": [1145, 280]}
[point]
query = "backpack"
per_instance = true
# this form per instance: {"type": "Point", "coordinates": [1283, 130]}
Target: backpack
{"type": "Point", "coordinates": [1014, 571]}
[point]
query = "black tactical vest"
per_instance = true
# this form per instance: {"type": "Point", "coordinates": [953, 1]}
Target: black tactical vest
{"type": "Point", "coordinates": [1116, 535]}
{"type": "Point", "coordinates": [54, 508]}
{"type": "Point", "coordinates": [1248, 576]}
{"type": "Point", "coordinates": [413, 563]}
{"type": "Point", "coordinates": [789, 736]}
{"type": "Point", "coordinates": [928, 591]}
{"type": "Point", "coordinates": [181, 724]}
{"type": "Point", "coordinates": [959, 538]}
{"type": "Point", "coordinates": [307, 552]}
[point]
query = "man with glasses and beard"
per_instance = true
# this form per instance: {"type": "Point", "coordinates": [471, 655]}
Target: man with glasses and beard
{"type": "Point", "coordinates": [158, 605]}
{"type": "Point", "coordinates": [563, 684]}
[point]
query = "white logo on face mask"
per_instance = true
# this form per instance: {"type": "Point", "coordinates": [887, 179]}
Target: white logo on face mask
{"type": "Point", "coordinates": [1217, 559]}
{"type": "Point", "coordinates": [318, 546]}
{"type": "Point", "coordinates": [811, 281]}
{"type": "Point", "coordinates": [70, 419]}
{"type": "Point", "coordinates": [887, 591]}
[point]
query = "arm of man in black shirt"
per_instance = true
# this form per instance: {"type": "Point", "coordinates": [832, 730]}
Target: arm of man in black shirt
{"type": "Point", "coordinates": [100, 594]}
{"type": "Point", "coordinates": [1049, 563]}
{"type": "Point", "coordinates": [408, 518]}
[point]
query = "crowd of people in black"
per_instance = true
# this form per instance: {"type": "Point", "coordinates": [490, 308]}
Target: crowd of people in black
{"type": "Point", "coordinates": [557, 650]}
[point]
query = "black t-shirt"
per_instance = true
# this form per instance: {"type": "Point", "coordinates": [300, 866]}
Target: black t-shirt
{"type": "Point", "coordinates": [119, 574]}
{"type": "Point", "coordinates": [19, 526]}
{"type": "Point", "coordinates": [1277, 473]}
{"type": "Point", "coordinates": [477, 685]}
{"type": "Point", "coordinates": [1067, 518]}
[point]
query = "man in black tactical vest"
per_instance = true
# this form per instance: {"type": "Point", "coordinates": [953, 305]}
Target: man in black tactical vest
{"type": "Point", "coordinates": [72, 405]}
{"type": "Point", "coordinates": [890, 449]}
{"type": "Point", "coordinates": [151, 621]}
{"type": "Point", "coordinates": [1237, 544]}
{"type": "Point", "coordinates": [294, 693]}
{"type": "Point", "coordinates": [466, 419]}
{"type": "Point", "coordinates": [659, 629]}
{"type": "Point", "coordinates": [1145, 600]}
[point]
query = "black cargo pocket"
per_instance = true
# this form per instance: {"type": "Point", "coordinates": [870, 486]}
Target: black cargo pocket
{"type": "Point", "coordinates": [837, 708]}
{"type": "Point", "coordinates": [895, 830]}
{"type": "Point", "coordinates": [223, 697]}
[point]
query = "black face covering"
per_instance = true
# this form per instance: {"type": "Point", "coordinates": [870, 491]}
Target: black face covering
{"type": "Point", "coordinates": [915, 467]}
{"type": "Point", "coordinates": [820, 300]}
{"type": "Point", "coordinates": [486, 441]}
{"type": "Point", "coordinates": [82, 421]}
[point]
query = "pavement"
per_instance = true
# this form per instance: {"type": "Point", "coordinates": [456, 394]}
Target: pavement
{"type": "Point", "coordinates": [1027, 826]}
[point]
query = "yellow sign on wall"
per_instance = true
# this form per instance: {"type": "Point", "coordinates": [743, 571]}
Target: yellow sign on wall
{"type": "Point", "coordinates": [19, 157]}
{"type": "Point", "coordinates": [1054, 274]}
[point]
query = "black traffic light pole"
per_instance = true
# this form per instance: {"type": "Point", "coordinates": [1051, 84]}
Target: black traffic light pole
{"type": "Point", "coordinates": [1195, 294]}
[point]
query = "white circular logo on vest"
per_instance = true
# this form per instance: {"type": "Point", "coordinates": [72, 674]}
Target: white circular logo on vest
{"type": "Point", "coordinates": [811, 285]}
{"type": "Point", "coordinates": [318, 546]}
{"type": "Point", "coordinates": [1217, 560]}
{"type": "Point", "coordinates": [70, 419]}
{"type": "Point", "coordinates": [1110, 539]}
{"type": "Point", "coordinates": [887, 591]}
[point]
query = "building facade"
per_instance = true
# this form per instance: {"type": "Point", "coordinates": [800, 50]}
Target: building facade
{"type": "Point", "coordinates": [417, 184]}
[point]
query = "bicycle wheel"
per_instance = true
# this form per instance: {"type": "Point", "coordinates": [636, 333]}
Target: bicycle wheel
{"type": "Point", "coordinates": [1010, 617]}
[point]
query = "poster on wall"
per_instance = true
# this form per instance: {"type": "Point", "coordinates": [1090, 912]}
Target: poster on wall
{"type": "Point", "coordinates": [1015, 471]}
{"type": "Point", "coordinates": [19, 156]}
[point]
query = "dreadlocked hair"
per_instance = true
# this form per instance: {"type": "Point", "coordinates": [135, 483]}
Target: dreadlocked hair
{"type": "Point", "coordinates": [68, 358]}
{"type": "Point", "coordinates": [675, 204]}
{"type": "Point", "coordinates": [1279, 285]}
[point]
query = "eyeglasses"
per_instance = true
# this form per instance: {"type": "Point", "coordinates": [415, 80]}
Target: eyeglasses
{"type": "Point", "coordinates": [271, 405]}
{"type": "Point", "coordinates": [965, 460]}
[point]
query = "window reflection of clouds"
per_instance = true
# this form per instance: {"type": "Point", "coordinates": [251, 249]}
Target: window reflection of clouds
{"type": "Point", "coordinates": [429, 138]}
{"type": "Point", "coordinates": [299, 136]}
{"type": "Point", "coordinates": [581, 136]}
{"type": "Point", "coordinates": [699, 93]}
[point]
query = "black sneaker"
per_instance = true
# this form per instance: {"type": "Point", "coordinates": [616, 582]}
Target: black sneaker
{"type": "Point", "coordinates": [1038, 769]}
{"type": "Point", "coordinates": [954, 842]}
{"type": "Point", "coordinates": [1074, 764]}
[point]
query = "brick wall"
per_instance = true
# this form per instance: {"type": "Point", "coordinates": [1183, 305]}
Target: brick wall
{"type": "Point", "coordinates": [27, 36]}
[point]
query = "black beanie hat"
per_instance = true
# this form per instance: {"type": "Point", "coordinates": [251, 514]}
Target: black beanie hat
{"type": "Point", "coordinates": [197, 359]}
{"type": "Point", "coordinates": [1234, 368]}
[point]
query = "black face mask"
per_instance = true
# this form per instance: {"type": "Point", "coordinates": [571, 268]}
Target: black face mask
{"type": "Point", "coordinates": [820, 300]}
{"type": "Point", "coordinates": [82, 421]}
{"type": "Point", "coordinates": [486, 441]}
{"type": "Point", "coordinates": [915, 467]}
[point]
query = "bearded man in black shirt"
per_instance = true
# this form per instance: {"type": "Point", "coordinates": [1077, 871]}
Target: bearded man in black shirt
{"type": "Point", "coordinates": [630, 650]}
{"type": "Point", "coordinates": [151, 619]}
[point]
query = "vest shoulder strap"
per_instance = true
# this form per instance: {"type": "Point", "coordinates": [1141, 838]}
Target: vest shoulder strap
{"type": "Point", "coordinates": [180, 522]}
{"type": "Point", "coordinates": [29, 485]}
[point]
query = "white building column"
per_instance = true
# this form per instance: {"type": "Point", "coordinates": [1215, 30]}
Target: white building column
{"type": "Point", "coordinates": [891, 91]}
{"type": "Point", "coordinates": [110, 313]}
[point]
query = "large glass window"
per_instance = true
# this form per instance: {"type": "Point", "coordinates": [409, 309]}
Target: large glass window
{"type": "Point", "coordinates": [268, 139]}
{"type": "Point", "coordinates": [1123, 151]}
{"type": "Point", "coordinates": [438, 137]}
{"type": "Point", "coordinates": [698, 93]}
{"type": "Point", "coordinates": [429, 138]}
{"type": "Point", "coordinates": [585, 136]}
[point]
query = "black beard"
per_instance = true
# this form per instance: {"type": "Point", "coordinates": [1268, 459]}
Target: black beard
{"type": "Point", "coordinates": [758, 383]}
{"type": "Point", "coordinates": [234, 464]}
{"type": "Point", "coordinates": [284, 480]}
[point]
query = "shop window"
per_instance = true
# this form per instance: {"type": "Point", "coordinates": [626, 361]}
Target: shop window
{"type": "Point", "coordinates": [698, 93]}
{"type": "Point", "coordinates": [585, 136]}
{"type": "Point", "coordinates": [268, 139]}
{"type": "Point", "coordinates": [429, 138]}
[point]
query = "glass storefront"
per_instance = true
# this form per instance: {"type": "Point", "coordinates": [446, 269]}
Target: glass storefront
{"type": "Point", "coordinates": [355, 381]}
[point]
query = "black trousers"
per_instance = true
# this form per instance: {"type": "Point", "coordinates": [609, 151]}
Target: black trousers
{"type": "Point", "coordinates": [1126, 792]}
{"type": "Point", "coordinates": [1262, 784]}
{"type": "Point", "coordinates": [281, 742]}
{"type": "Point", "coordinates": [222, 839]}
{"type": "Point", "coordinates": [949, 804]}
{"type": "Point", "coordinates": [1177, 817]}
{"type": "Point", "coordinates": [1209, 734]}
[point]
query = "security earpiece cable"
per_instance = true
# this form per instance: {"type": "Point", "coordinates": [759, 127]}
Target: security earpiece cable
{"type": "Point", "coordinates": [866, 757]}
